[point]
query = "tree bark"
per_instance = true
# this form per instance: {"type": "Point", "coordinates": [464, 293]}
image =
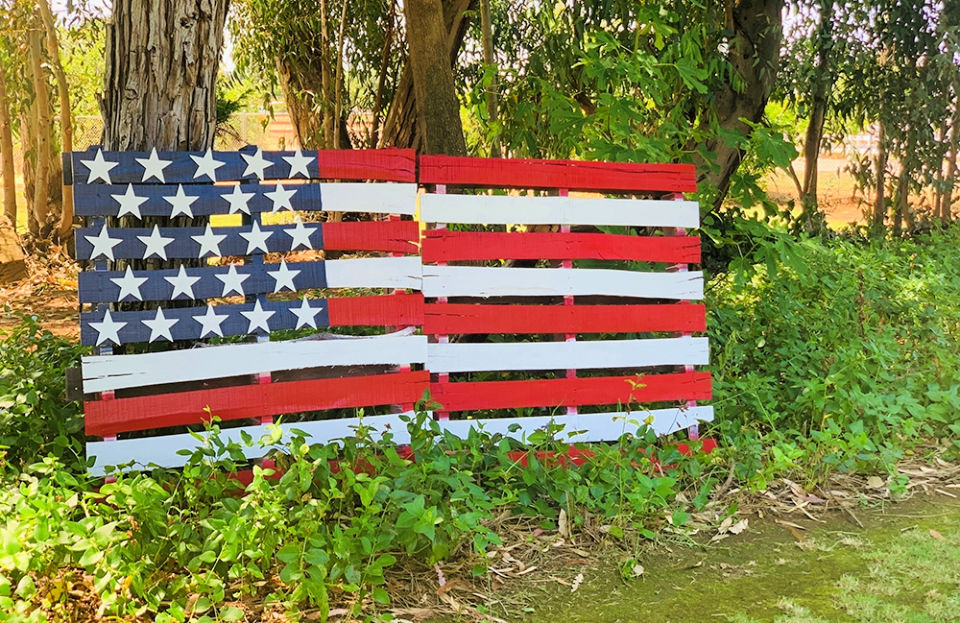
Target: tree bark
{"type": "Point", "coordinates": [754, 52]}
{"type": "Point", "coordinates": [161, 70]}
{"type": "Point", "coordinates": [950, 180]}
{"type": "Point", "coordinates": [13, 263]}
{"type": "Point", "coordinates": [41, 132]}
{"type": "Point", "coordinates": [65, 227]}
{"type": "Point", "coordinates": [7, 173]}
{"type": "Point", "coordinates": [298, 83]}
{"type": "Point", "coordinates": [401, 127]}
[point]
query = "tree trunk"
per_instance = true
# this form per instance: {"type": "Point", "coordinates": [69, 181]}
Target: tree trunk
{"type": "Point", "coordinates": [880, 202]}
{"type": "Point", "coordinates": [438, 109]}
{"type": "Point", "coordinates": [65, 227]}
{"type": "Point", "coordinates": [401, 127]}
{"type": "Point", "coordinates": [7, 173]}
{"type": "Point", "coordinates": [754, 51]}
{"type": "Point", "coordinates": [162, 61]}
{"type": "Point", "coordinates": [41, 132]}
{"type": "Point", "coordinates": [490, 65]}
{"type": "Point", "coordinates": [13, 263]}
{"type": "Point", "coordinates": [303, 103]}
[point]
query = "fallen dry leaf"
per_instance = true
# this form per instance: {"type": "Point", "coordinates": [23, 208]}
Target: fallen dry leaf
{"type": "Point", "coordinates": [875, 482]}
{"type": "Point", "coordinates": [637, 570]}
{"type": "Point", "coordinates": [577, 581]}
{"type": "Point", "coordinates": [937, 535]}
{"type": "Point", "coordinates": [740, 526]}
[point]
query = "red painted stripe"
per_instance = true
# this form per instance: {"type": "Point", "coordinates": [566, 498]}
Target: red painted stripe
{"type": "Point", "coordinates": [445, 318]}
{"type": "Point", "coordinates": [109, 417]}
{"type": "Point", "coordinates": [384, 165]}
{"type": "Point", "coordinates": [570, 174]}
{"type": "Point", "coordinates": [393, 236]}
{"type": "Point", "coordinates": [606, 390]}
{"type": "Point", "coordinates": [393, 310]}
{"type": "Point", "coordinates": [443, 245]}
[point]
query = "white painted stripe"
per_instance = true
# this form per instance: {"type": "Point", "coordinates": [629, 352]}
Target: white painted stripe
{"type": "Point", "coordinates": [362, 197]}
{"type": "Point", "coordinates": [567, 355]}
{"type": "Point", "coordinates": [486, 209]}
{"type": "Point", "coordinates": [111, 372]}
{"type": "Point", "coordinates": [483, 281]}
{"type": "Point", "coordinates": [374, 272]}
{"type": "Point", "coordinates": [589, 427]}
{"type": "Point", "coordinates": [163, 450]}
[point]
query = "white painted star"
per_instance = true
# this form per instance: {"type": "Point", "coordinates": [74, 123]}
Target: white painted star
{"type": "Point", "coordinates": [284, 277]}
{"type": "Point", "coordinates": [160, 326]}
{"type": "Point", "coordinates": [206, 165]}
{"type": "Point", "coordinates": [153, 166]}
{"type": "Point", "coordinates": [256, 239]}
{"type": "Point", "coordinates": [258, 317]}
{"type": "Point", "coordinates": [129, 285]}
{"type": "Point", "coordinates": [210, 322]}
{"type": "Point", "coordinates": [209, 242]}
{"type": "Point", "coordinates": [129, 202]}
{"type": "Point", "coordinates": [301, 235]}
{"type": "Point", "coordinates": [102, 244]}
{"type": "Point", "coordinates": [182, 284]}
{"type": "Point", "coordinates": [108, 329]}
{"type": "Point", "coordinates": [155, 244]}
{"type": "Point", "coordinates": [238, 200]}
{"type": "Point", "coordinates": [181, 203]}
{"type": "Point", "coordinates": [306, 315]}
{"type": "Point", "coordinates": [256, 163]}
{"type": "Point", "coordinates": [99, 168]}
{"type": "Point", "coordinates": [232, 281]}
{"type": "Point", "coordinates": [298, 164]}
{"type": "Point", "coordinates": [281, 197]}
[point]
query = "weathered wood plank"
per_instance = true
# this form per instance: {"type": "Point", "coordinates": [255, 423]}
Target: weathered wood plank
{"type": "Point", "coordinates": [446, 318]}
{"type": "Point", "coordinates": [112, 372]}
{"type": "Point", "coordinates": [142, 200]}
{"type": "Point", "coordinates": [479, 281]}
{"type": "Point", "coordinates": [444, 245]}
{"type": "Point", "coordinates": [624, 390]}
{"type": "Point", "coordinates": [570, 174]}
{"type": "Point", "coordinates": [506, 209]}
{"type": "Point", "coordinates": [109, 417]}
{"type": "Point", "coordinates": [461, 357]}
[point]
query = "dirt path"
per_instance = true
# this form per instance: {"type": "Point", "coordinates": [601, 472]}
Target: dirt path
{"type": "Point", "coordinates": [50, 293]}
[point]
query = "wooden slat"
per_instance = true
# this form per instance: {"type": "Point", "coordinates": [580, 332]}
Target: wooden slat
{"type": "Point", "coordinates": [113, 372]}
{"type": "Point", "coordinates": [445, 318]}
{"type": "Point", "coordinates": [376, 272]}
{"type": "Point", "coordinates": [164, 450]}
{"type": "Point", "coordinates": [396, 165]}
{"type": "Point", "coordinates": [624, 390]}
{"type": "Point", "coordinates": [109, 417]}
{"type": "Point", "coordinates": [585, 428]}
{"type": "Point", "coordinates": [479, 281]}
{"type": "Point", "coordinates": [461, 357]}
{"type": "Point", "coordinates": [506, 209]}
{"type": "Point", "coordinates": [444, 245]}
{"type": "Point", "coordinates": [571, 174]}
{"type": "Point", "coordinates": [386, 198]}
{"type": "Point", "coordinates": [387, 310]}
{"type": "Point", "coordinates": [188, 242]}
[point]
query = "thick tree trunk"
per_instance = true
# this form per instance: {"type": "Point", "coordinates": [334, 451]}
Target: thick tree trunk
{"type": "Point", "coordinates": [162, 60]}
{"type": "Point", "coordinates": [401, 127]}
{"type": "Point", "coordinates": [303, 104]}
{"type": "Point", "coordinates": [754, 51]}
{"type": "Point", "coordinates": [950, 179]}
{"type": "Point", "coordinates": [65, 227]}
{"type": "Point", "coordinates": [7, 174]}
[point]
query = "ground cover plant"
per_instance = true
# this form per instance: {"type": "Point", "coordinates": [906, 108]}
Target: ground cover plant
{"type": "Point", "coordinates": [828, 355]}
